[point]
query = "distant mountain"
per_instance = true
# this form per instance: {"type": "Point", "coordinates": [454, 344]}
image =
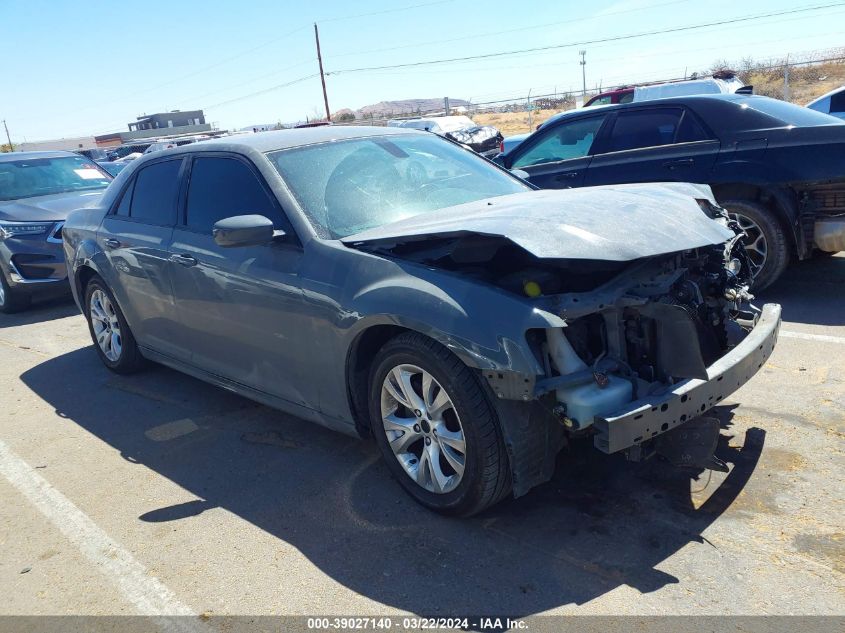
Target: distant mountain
{"type": "Point", "coordinates": [405, 107]}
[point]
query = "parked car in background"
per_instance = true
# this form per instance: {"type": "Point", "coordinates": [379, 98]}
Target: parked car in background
{"type": "Point", "coordinates": [122, 151]}
{"type": "Point", "coordinates": [722, 83]}
{"type": "Point", "coordinates": [437, 124]}
{"type": "Point", "coordinates": [96, 154]}
{"type": "Point", "coordinates": [375, 281]}
{"type": "Point", "coordinates": [484, 139]}
{"type": "Point", "coordinates": [775, 166]}
{"type": "Point", "coordinates": [113, 167]}
{"type": "Point", "coordinates": [177, 141]}
{"type": "Point", "coordinates": [159, 145]}
{"type": "Point", "coordinates": [37, 190]}
{"type": "Point", "coordinates": [625, 94]}
{"type": "Point", "coordinates": [832, 103]}
{"type": "Point", "coordinates": [127, 158]}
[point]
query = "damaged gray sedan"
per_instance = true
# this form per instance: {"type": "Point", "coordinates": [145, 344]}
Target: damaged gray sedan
{"type": "Point", "coordinates": [390, 283]}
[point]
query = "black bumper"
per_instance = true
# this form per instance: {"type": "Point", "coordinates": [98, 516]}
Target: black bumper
{"type": "Point", "coordinates": [34, 265]}
{"type": "Point", "coordinates": [648, 417]}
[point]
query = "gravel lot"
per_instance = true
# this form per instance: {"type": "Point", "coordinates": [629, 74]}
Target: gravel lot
{"type": "Point", "coordinates": [127, 495]}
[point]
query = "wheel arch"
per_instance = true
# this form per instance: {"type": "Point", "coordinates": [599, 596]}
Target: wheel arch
{"type": "Point", "coordinates": [781, 201]}
{"type": "Point", "coordinates": [358, 364]}
{"type": "Point", "coordinates": [84, 273]}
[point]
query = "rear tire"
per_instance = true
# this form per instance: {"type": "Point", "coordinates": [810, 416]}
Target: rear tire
{"type": "Point", "coordinates": [12, 300]}
{"type": "Point", "coordinates": [767, 244]}
{"type": "Point", "coordinates": [446, 448]}
{"type": "Point", "coordinates": [109, 330]}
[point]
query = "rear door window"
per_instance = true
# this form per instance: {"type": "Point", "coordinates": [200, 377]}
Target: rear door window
{"type": "Point", "coordinates": [155, 192]}
{"type": "Point", "coordinates": [637, 129]}
{"type": "Point", "coordinates": [224, 187]}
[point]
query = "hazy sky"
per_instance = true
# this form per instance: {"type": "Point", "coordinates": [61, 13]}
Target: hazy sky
{"type": "Point", "coordinates": [71, 67]}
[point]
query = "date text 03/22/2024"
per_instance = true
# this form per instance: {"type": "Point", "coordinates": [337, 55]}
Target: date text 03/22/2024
{"type": "Point", "coordinates": [415, 623]}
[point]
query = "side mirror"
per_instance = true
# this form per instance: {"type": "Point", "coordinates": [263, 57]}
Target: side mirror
{"type": "Point", "coordinates": [244, 230]}
{"type": "Point", "coordinates": [521, 173]}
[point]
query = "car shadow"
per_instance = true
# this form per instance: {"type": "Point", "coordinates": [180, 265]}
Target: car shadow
{"type": "Point", "coordinates": [42, 310]}
{"type": "Point", "coordinates": [600, 523]}
{"type": "Point", "coordinates": [812, 291]}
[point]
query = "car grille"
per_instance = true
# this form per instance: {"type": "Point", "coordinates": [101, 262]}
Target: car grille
{"type": "Point", "coordinates": [829, 199]}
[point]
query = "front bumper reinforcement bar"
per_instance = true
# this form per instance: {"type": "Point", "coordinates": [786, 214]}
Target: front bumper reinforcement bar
{"type": "Point", "coordinates": [650, 416]}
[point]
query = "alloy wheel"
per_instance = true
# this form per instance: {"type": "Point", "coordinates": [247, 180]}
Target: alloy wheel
{"type": "Point", "coordinates": [755, 242]}
{"type": "Point", "coordinates": [423, 428]}
{"type": "Point", "coordinates": [106, 325]}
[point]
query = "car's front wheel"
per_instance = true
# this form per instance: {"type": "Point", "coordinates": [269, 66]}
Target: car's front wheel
{"type": "Point", "coordinates": [11, 300]}
{"type": "Point", "coordinates": [110, 332]}
{"type": "Point", "coordinates": [766, 242]}
{"type": "Point", "coordinates": [436, 427]}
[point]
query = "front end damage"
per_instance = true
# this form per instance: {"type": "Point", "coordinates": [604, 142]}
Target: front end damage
{"type": "Point", "coordinates": [654, 350]}
{"type": "Point", "coordinates": [640, 362]}
{"type": "Point", "coordinates": [655, 332]}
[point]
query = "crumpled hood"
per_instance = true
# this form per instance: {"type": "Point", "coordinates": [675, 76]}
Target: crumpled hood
{"type": "Point", "coordinates": [612, 223]}
{"type": "Point", "coordinates": [52, 208]}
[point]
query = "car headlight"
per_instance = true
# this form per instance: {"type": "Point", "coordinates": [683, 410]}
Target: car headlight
{"type": "Point", "coordinates": [14, 229]}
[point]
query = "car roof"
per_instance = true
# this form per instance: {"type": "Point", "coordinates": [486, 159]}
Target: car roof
{"type": "Point", "coordinates": [10, 156]}
{"type": "Point", "coordinates": [700, 99]}
{"type": "Point", "coordinates": [296, 137]}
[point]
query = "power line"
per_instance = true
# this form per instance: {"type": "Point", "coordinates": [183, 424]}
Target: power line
{"type": "Point", "coordinates": [460, 67]}
{"type": "Point", "coordinates": [267, 43]}
{"type": "Point", "coordinates": [264, 91]}
{"type": "Point", "coordinates": [508, 31]}
{"type": "Point", "coordinates": [252, 49]}
{"type": "Point", "coordinates": [560, 64]}
{"type": "Point", "coordinates": [586, 42]}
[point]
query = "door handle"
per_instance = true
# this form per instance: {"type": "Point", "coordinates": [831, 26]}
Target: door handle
{"type": "Point", "coordinates": [112, 243]}
{"type": "Point", "coordinates": [683, 162]}
{"type": "Point", "coordinates": [567, 176]}
{"type": "Point", "coordinates": [184, 260]}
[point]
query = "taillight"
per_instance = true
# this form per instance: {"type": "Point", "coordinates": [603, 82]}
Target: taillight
{"type": "Point", "coordinates": [501, 147]}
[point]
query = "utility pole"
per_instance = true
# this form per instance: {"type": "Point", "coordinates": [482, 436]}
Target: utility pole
{"type": "Point", "coordinates": [786, 80]}
{"type": "Point", "coordinates": [322, 74]}
{"type": "Point", "coordinates": [8, 138]}
{"type": "Point", "coordinates": [583, 55]}
{"type": "Point", "coordinates": [528, 107]}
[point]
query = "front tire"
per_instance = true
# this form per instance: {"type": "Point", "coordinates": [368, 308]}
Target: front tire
{"type": "Point", "coordinates": [436, 428]}
{"type": "Point", "coordinates": [766, 242]}
{"type": "Point", "coordinates": [109, 330]}
{"type": "Point", "coordinates": [12, 300]}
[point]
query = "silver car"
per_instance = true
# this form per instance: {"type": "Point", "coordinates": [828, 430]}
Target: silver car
{"type": "Point", "coordinates": [37, 191]}
{"type": "Point", "coordinates": [387, 282]}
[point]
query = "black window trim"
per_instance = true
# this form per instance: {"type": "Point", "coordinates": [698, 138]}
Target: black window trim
{"type": "Point", "coordinates": [600, 133]}
{"type": "Point", "coordinates": [604, 140]}
{"type": "Point", "coordinates": [130, 183]}
{"type": "Point", "coordinates": [182, 209]}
